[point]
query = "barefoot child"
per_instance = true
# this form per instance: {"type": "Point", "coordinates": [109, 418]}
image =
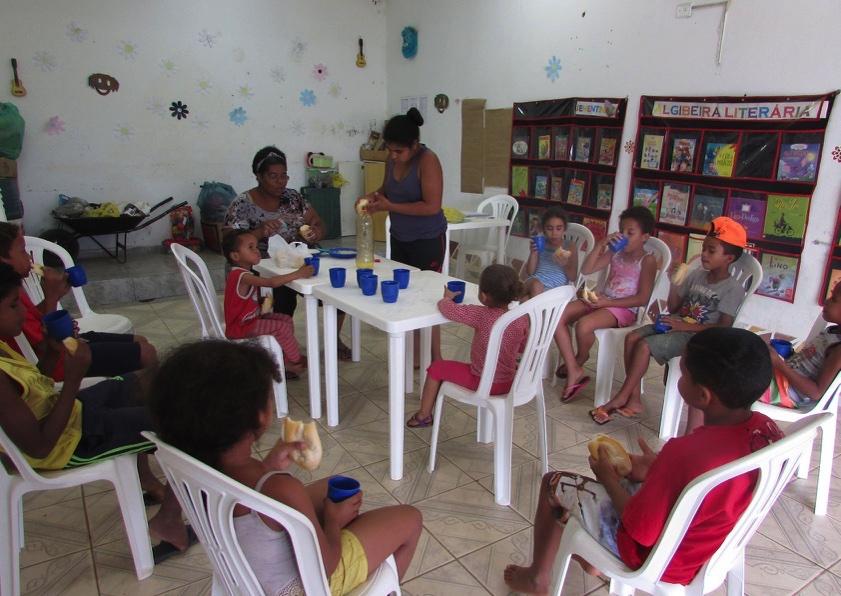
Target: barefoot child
{"type": "Point", "coordinates": [557, 264]}
{"type": "Point", "coordinates": [723, 372]}
{"type": "Point", "coordinates": [498, 287]}
{"type": "Point", "coordinates": [242, 309]}
{"type": "Point", "coordinates": [708, 297]}
{"type": "Point", "coordinates": [628, 287]}
{"type": "Point", "coordinates": [234, 381]}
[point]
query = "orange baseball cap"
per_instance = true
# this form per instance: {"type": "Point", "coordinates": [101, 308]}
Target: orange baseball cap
{"type": "Point", "coordinates": [729, 231]}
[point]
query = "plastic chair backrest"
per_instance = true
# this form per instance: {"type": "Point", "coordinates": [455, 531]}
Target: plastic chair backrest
{"type": "Point", "coordinates": [25, 471]}
{"type": "Point", "coordinates": [503, 207]}
{"type": "Point", "coordinates": [26, 348]}
{"type": "Point", "coordinates": [200, 288]}
{"type": "Point", "coordinates": [747, 271]}
{"type": "Point", "coordinates": [387, 237]}
{"type": "Point", "coordinates": [775, 465]}
{"type": "Point", "coordinates": [36, 247]}
{"type": "Point", "coordinates": [208, 498]}
{"type": "Point", "coordinates": [582, 238]}
{"type": "Point", "coordinates": [544, 312]}
{"type": "Point", "coordinates": [661, 252]}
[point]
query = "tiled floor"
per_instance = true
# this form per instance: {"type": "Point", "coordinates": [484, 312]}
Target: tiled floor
{"type": "Point", "coordinates": [75, 542]}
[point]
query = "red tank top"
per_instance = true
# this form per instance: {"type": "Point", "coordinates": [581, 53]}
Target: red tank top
{"type": "Point", "coordinates": [241, 312]}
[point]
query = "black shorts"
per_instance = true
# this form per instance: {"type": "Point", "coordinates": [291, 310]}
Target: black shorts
{"type": "Point", "coordinates": [113, 415]}
{"type": "Point", "coordinates": [427, 254]}
{"type": "Point", "coordinates": [112, 353]}
{"type": "Point", "coordinates": [285, 300]}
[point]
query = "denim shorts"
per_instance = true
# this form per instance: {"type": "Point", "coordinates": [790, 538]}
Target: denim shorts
{"type": "Point", "coordinates": [664, 346]}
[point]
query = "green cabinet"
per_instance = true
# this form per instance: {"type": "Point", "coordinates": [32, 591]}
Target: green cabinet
{"type": "Point", "coordinates": [325, 201]}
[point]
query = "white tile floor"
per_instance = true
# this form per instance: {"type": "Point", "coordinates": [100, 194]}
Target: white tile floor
{"type": "Point", "coordinates": [75, 542]}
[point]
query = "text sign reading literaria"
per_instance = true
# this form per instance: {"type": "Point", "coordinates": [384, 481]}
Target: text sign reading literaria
{"type": "Point", "coordinates": [769, 110]}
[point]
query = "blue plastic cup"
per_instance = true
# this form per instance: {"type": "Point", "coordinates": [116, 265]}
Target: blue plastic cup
{"type": "Point", "coordinates": [315, 262]}
{"type": "Point", "coordinates": [360, 273]}
{"type": "Point", "coordinates": [76, 276]}
{"type": "Point", "coordinates": [618, 244]}
{"type": "Point", "coordinates": [340, 488]}
{"type": "Point", "coordinates": [661, 326]}
{"type": "Point", "coordinates": [59, 324]}
{"type": "Point", "coordinates": [337, 277]}
{"type": "Point", "coordinates": [459, 287]}
{"type": "Point", "coordinates": [783, 347]}
{"type": "Point", "coordinates": [389, 290]}
{"type": "Point", "coordinates": [368, 284]}
{"type": "Point", "coordinates": [401, 276]}
{"type": "Point", "coordinates": [539, 242]}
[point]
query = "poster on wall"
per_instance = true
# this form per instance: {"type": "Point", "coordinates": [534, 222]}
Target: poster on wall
{"type": "Point", "coordinates": [779, 276]}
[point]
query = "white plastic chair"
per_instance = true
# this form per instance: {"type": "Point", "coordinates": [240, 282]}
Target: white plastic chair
{"type": "Point", "coordinates": [208, 498]}
{"type": "Point", "coordinates": [748, 272]}
{"type": "Point", "coordinates": [499, 206]}
{"type": "Point", "coordinates": [544, 312]}
{"type": "Point", "coordinates": [88, 319]}
{"type": "Point", "coordinates": [27, 352]}
{"type": "Point", "coordinates": [203, 296]}
{"type": "Point", "coordinates": [611, 341]}
{"type": "Point", "coordinates": [121, 471]}
{"type": "Point", "coordinates": [775, 465]}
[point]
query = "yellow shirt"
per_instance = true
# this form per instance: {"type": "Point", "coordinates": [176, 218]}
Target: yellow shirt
{"type": "Point", "coordinates": [39, 394]}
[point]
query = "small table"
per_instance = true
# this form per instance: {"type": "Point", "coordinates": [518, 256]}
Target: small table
{"type": "Point", "coordinates": [477, 222]}
{"type": "Point", "coordinates": [416, 308]}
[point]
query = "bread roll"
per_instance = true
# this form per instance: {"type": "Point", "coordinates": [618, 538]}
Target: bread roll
{"type": "Point", "coordinates": [361, 205]}
{"type": "Point", "coordinates": [71, 343]}
{"type": "Point", "coordinates": [304, 230]}
{"type": "Point", "coordinates": [268, 303]}
{"type": "Point", "coordinates": [308, 458]}
{"type": "Point", "coordinates": [679, 276]}
{"type": "Point", "coordinates": [616, 453]}
{"type": "Point", "coordinates": [562, 253]}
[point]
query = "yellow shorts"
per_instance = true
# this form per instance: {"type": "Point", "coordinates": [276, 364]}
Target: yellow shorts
{"type": "Point", "coordinates": [352, 569]}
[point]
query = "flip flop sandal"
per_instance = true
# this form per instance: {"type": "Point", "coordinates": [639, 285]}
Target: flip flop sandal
{"type": "Point", "coordinates": [574, 390]}
{"type": "Point", "coordinates": [166, 550]}
{"type": "Point", "coordinates": [626, 413]}
{"type": "Point", "coordinates": [600, 415]}
{"type": "Point", "coordinates": [415, 422]}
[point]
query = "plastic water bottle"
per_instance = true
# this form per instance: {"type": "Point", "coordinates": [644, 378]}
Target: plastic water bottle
{"type": "Point", "coordinates": [364, 241]}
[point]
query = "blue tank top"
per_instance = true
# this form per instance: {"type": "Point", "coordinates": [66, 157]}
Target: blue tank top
{"type": "Point", "coordinates": [408, 228]}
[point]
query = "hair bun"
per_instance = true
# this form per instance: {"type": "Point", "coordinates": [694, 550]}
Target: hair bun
{"type": "Point", "coordinates": [415, 116]}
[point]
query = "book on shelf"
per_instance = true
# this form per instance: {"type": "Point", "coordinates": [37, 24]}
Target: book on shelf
{"type": "Point", "coordinates": [785, 217]}
{"type": "Point", "coordinates": [779, 276]}
{"type": "Point", "coordinates": [607, 151]}
{"type": "Point", "coordinates": [719, 159]}
{"type": "Point", "coordinates": [518, 226]}
{"type": "Point", "coordinates": [652, 150]}
{"type": "Point", "coordinates": [834, 277]}
{"type": "Point", "coordinates": [556, 192]}
{"type": "Point", "coordinates": [693, 246]}
{"type": "Point", "coordinates": [675, 204]}
{"type": "Point", "coordinates": [676, 243]}
{"type": "Point", "coordinates": [683, 155]}
{"type": "Point", "coordinates": [544, 147]}
{"type": "Point", "coordinates": [798, 162]}
{"type": "Point", "coordinates": [520, 144]}
{"type": "Point", "coordinates": [604, 196]}
{"type": "Point", "coordinates": [595, 225]}
{"type": "Point", "coordinates": [575, 193]}
{"type": "Point", "coordinates": [541, 186]}
{"type": "Point", "coordinates": [535, 227]}
{"type": "Point", "coordinates": [583, 145]}
{"type": "Point", "coordinates": [748, 212]}
{"type": "Point", "coordinates": [520, 181]}
{"type": "Point", "coordinates": [705, 208]}
{"type": "Point", "coordinates": [648, 198]}
{"type": "Point", "coordinates": [757, 155]}
{"type": "Point", "coordinates": [562, 146]}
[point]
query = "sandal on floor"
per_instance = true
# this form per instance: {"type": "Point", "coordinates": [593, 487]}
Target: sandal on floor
{"type": "Point", "coordinates": [575, 389]}
{"type": "Point", "coordinates": [626, 413]}
{"type": "Point", "coordinates": [344, 352]}
{"type": "Point", "coordinates": [601, 415]}
{"type": "Point", "coordinates": [415, 422]}
{"type": "Point", "coordinates": [166, 550]}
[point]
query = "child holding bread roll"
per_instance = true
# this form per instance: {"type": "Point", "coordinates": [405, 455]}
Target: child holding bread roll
{"type": "Point", "coordinates": [213, 399]}
{"type": "Point", "coordinates": [557, 264]}
{"type": "Point", "coordinates": [724, 371]}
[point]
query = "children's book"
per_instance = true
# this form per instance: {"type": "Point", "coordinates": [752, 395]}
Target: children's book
{"type": "Point", "coordinates": [583, 145]}
{"type": "Point", "coordinates": [652, 149]}
{"type": "Point", "coordinates": [675, 203]}
{"type": "Point", "coordinates": [597, 226]}
{"type": "Point", "coordinates": [557, 188]}
{"type": "Point", "coordinates": [785, 217]}
{"type": "Point", "coordinates": [705, 208]}
{"type": "Point", "coordinates": [676, 243]}
{"type": "Point", "coordinates": [719, 159]}
{"type": "Point", "coordinates": [779, 276]}
{"type": "Point", "coordinates": [683, 155]}
{"type": "Point", "coordinates": [604, 196]}
{"type": "Point", "coordinates": [544, 147]}
{"type": "Point", "coordinates": [798, 161]}
{"type": "Point", "coordinates": [834, 278]}
{"type": "Point", "coordinates": [520, 181]}
{"type": "Point", "coordinates": [748, 212]}
{"type": "Point", "coordinates": [518, 227]}
{"type": "Point", "coordinates": [562, 146]}
{"type": "Point", "coordinates": [520, 143]}
{"type": "Point", "coordinates": [575, 194]}
{"type": "Point", "coordinates": [535, 227]}
{"type": "Point", "coordinates": [757, 155]}
{"type": "Point", "coordinates": [540, 186]}
{"type": "Point", "coordinates": [693, 246]}
{"type": "Point", "coordinates": [647, 197]}
{"type": "Point", "coordinates": [607, 151]}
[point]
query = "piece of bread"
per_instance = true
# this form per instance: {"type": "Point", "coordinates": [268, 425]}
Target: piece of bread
{"type": "Point", "coordinates": [71, 343]}
{"type": "Point", "coordinates": [689, 320]}
{"type": "Point", "coordinates": [361, 205]}
{"type": "Point", "coordinates": [563, 253]}
{"type": "Point", "coordinates": [304, 230]}
{"type": "Point", "coordinates": [308, 458]}
{"type": "Point", "coordinates": [616, 452]}
{"type": "Point", "coordinates": [589, 296]}
{"type": "Point", "coordinates": [268, 303]}
{"type": "Point", "coordinates": [679, 276]}
{"type": "Point", "coordinates": [38, 269]}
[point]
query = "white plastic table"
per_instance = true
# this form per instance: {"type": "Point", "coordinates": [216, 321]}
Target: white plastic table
{"type": "Point", "coordinates": [305, 287]}
{"type": "Point", "coordinates": [477, 222]}
{"type": "Point", "coordinates": [416, 308]}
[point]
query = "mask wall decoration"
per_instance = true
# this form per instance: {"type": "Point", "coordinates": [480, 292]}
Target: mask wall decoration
{"type": "Point", "coordinates": [103, 83]}
{"type": "Point", "coordinates": [410, 42]}
{"type": "Point", "coordinates": [442, 102]}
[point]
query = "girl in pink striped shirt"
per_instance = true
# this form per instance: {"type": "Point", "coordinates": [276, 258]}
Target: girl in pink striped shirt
{"type": "Point", "coordinates": [498, 287]}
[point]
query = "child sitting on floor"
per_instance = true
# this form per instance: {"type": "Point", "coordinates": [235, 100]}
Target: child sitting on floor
{"type": "Point", "coordinates": [498, 287]}
{"type": "Point", "coordinates": [242, 308]}
{"type": "Point", "coordinates": [628, 287]}
{"type": "Point", "coordinates": [723, 372]}
{"type": "Point", "coordinates": [234, 381]}
{"type": "Point", "coordinates": [557, 263]}
{"type": "Point", "coordinates": [708, 297]}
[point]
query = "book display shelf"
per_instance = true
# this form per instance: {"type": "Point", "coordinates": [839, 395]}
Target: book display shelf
{"type": "Point", "coordinates": [564, 152]}
{"type": "Point", "coordinates": [754, 159]}
{"type": "Point", "coordinates": [832, 273]}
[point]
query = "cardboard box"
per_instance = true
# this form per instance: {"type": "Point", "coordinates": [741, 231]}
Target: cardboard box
{"type": "Point", "coordinates": [8, 168]}
{"type": "Point", "coordinates": [370, 155]}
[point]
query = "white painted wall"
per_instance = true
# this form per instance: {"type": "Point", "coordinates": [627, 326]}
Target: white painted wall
{"type": "Point", "coordinates": [497, 49]}
{"type": "Point", "coordinates": [162, 156]}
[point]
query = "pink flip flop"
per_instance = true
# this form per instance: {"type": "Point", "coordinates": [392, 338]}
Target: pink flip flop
{"type": "Point", "coordinates": [574, 390]}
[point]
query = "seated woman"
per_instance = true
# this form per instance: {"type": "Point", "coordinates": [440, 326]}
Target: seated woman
{"type": "Point", "coordinates": [271, 208]}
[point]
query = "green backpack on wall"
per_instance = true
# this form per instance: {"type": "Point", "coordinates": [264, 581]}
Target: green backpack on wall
{"type": "Point", "coordinates": [11, 131]}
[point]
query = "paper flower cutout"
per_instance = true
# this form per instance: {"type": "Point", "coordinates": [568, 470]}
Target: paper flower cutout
{"type": "Point", "coordinates": [168, 66]}
{"type": "Point", "coordinates": [55, 126]}
{"type": "Point", "coordinates": [124, 132]}
{"type": "Point", "coordinates": [245, 92]}
{"type": "Point", "coordinates": [178, 110]}
{"type": "Point", "coordinates": [553, 69]}
{"type": "Point", "coordinates": [204, 86]}
{"type": "Point", "coordinates": [298, 48]}
{"type": "Point", "coordinates": [45, 61]}
{"type": "Point", "coordinates": [836, 154]}
{"type": "Point", "coordinates": [157, 106]}
{"type": "Point", "coordinates": [127, 49]}
{"type": "Point", "coordinates": [335, 90]}
{"type": "Point", "coordinates": [208, 39]}
{"type": "Point", "coordinates": [307, 98]}
{"type": "Point", "coordinates": [76, 33]}
{"type": "Point", "coordinates": [629, 147]}
{"type": "Point", "coordinates": [297, 128]}
{"type": "Point", "coordinates": [319, 72]}
{"type": "Point", "coordinates": [278, 75]}
{"type": "Point", "coordinates": [238, 116]}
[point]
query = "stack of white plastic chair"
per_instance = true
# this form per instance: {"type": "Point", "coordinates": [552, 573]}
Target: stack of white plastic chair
{"type": "Point", "coordinates": [498, 206]}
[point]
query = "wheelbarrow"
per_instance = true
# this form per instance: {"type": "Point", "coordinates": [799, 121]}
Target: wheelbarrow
{"type": "Point", "coordinates": [91, 227]}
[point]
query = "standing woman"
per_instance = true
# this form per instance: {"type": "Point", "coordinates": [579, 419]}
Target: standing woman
{"type": "Point", "coordinates": [411, 193]}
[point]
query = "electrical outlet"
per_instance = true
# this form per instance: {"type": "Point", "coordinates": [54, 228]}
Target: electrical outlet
{"type": "Point", "coordinates": [684, 11]}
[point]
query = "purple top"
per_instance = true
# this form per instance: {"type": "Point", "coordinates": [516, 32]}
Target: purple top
{"type": "Point", "coordinates": [408, 228]}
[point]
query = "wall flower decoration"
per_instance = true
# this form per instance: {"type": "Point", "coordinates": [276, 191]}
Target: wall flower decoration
{"type": "Point", "coordinates": [178, 110]}
{"type": "Point", "coordinates": [278, 75]}
{"type": "Point", "coordinates": [297, 128]}
{"type": "Point", "coordinates": [629, 147]}
{"type": "Point", "coordinates": [127, 49]}
{"type": "Point", "coordinates": [45, 61]}
{"type": "Point", "coordinates": [168, 66]}
{"type": "Point", "coordinates": [553, 69]}
{"type": "Point", "coordinates": [319, 72]}
{"type": "Point", "coordinates": [836, 154]}
{"type": "Point", "coordinates": [307, 98]}
{"type": "Point", "coordinates": [299, 46]}
{"type": "Point", "coordinates": [204, 86]}
{"type": "Point", "coordinates": [410, 42]}
{"type": "Point", "coordinates": [245, 92]}
{"type": "Point", "coordinates": [208, 39]}
{"type": "Point", "coordinates": [55, 126]}
{"type": "Point", "coordinates": [335, 90]}
{"type": "Point", "coordinates": [76, 33]}
{"type": "Point", "coordinates": [124, 132]}
{"type": "Point", "coordinates": [238, 116]}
